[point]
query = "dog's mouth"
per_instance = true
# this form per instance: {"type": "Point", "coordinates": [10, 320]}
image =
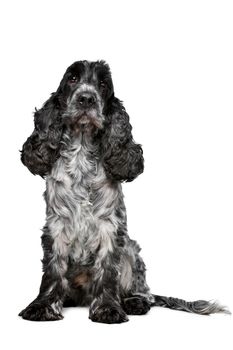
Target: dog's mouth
{"type": "Point", "coordinates": [85, 121]}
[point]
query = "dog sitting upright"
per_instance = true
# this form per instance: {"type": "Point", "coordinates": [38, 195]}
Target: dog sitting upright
{"type": "Point", "coordinates": [83, 146]}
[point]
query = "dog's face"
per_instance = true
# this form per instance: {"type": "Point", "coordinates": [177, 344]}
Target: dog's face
{"type": "Point", "coordinates": [85, 91]}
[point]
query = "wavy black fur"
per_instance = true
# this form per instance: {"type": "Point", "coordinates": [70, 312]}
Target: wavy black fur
{"type": "Point", "coordinates": [41, 149]}
{"type": "Point", "coordinates": [82, 144]}
{"type": "Point", "coordinates": [122, 157]}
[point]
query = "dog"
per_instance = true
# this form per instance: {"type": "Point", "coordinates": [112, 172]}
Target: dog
{"type": "Point", "coordinates": [82, 144]}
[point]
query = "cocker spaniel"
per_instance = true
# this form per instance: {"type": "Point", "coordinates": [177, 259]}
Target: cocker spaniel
{"type": "Point", "coordinates": [82, 144]}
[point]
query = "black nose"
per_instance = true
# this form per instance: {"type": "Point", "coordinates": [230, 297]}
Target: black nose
{"type": "Point", "coordinates": [86, 100]}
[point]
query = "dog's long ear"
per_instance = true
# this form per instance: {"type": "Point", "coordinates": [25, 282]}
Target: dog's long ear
{"type": "Point", "coordinates": [122, 157]}
{"type": "Point", "coordinates": [41, 149]}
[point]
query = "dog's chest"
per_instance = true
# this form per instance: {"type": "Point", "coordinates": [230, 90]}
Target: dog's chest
{"type": "Point", "coordinates": [81, 203]}
{"type": "Point", "coordinates": [75, 177]}
{"type": "Point", "coordinates": [79, 196]}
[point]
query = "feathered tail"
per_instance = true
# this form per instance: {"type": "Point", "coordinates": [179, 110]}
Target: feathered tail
{"type": "Point", "coordinates": [201, 307]}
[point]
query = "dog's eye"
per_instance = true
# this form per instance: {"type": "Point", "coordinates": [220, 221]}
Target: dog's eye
{"type": "Point", "coordinates": [73, 79]}
{"type": "Point", "coordinates": [102, 84]}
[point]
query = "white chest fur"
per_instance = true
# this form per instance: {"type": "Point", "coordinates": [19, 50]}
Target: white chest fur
{"type": "Point", "coordinates": [81, 200]}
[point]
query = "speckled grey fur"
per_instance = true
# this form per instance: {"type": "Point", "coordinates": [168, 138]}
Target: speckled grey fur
{"type": "Point", "coordinates": [83, 146]}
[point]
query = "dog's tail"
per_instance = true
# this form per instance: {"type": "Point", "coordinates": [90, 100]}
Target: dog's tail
{"type": "Point", "coordinates": [201, 307]}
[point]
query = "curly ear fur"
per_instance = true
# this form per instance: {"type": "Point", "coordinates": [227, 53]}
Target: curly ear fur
{"type": "Point", "coordinates": [41, 149]}
{"type": "Point", "coordinates": [122, 157]}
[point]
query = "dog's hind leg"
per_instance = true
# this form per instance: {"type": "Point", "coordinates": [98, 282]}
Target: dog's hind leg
{"type": "Point", "coordinates": [136, 297]}
{"type": "Point", "coordinates": [136, 305]}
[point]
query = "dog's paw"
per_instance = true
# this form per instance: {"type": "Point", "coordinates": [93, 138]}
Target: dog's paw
{"type": "Point", "coordinates": [40, 312]}
{"type": "Point", "coordinates": [108, 313]}
{"type": "Point", "coordinates": [136, 305]}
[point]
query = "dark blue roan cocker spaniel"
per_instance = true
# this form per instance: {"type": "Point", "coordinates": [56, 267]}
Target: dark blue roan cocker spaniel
{"type": "Point", "coordinates": [82, 144]}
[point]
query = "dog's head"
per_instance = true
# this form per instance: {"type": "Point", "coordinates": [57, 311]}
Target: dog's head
{"type": "Point", "coordinates": [84, 93]}
{"type": "Point", "coordinates": [85, 101]}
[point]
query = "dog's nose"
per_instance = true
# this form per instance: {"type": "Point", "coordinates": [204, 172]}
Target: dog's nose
{"type": "Point", "coordinates": [86, 100]}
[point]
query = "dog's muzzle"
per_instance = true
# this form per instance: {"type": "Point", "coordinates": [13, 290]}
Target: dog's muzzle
{"type": "Point", "coordinates": [85, 112]}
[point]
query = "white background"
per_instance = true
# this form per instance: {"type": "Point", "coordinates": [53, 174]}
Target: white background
{"type": "Point", "coordinates": [172, 66]}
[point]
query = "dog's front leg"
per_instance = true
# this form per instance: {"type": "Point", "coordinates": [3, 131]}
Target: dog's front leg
{"type": "Point", "coordinates": [105, 306]}
{"type": "Point", "coordinates": [48, 304]}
